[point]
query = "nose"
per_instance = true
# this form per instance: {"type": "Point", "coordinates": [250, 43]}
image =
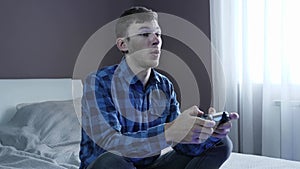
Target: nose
{"type": "Point", "coordinates": [155, 39]}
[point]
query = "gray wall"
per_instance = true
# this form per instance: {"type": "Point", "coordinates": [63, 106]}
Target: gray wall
{"type": "Point", "coordinates": [42, 38]}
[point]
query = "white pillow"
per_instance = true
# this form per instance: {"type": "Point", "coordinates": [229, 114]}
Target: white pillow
{"type": "Point", "coordinates": [54, 122]}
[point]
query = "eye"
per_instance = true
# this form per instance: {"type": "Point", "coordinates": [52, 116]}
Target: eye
{"type": "Point", "coordinates": [145, 34]}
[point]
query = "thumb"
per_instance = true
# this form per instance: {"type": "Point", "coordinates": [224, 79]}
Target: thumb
{"type": "Point", "coordinates": [211, 110]}
{"type": "Point", "coordinates": [194, 111]}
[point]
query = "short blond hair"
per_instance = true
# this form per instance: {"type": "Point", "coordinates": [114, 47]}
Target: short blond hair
{"type": "Point", "coordinates": [136, 14]}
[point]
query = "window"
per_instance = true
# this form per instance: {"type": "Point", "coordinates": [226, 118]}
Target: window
{"type": "Point", "coordinates": [272, 40]}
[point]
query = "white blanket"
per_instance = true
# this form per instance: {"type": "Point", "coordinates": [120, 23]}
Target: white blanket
{"type": "Point", "coordinates": [42, 135]}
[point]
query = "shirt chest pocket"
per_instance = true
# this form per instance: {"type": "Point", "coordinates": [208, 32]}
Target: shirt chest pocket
{"type": "Point", "coordinates": [159, 105]}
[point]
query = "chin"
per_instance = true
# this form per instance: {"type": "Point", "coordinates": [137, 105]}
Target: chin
{"type": "Point", "coordinates": [151, 63]}
{"type": "Point", "coordinates": [153, 60]}
{"type": "Point", "coordinates": [155, 64]}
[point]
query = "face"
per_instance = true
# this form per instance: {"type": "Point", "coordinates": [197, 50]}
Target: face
{"type": "Point", "coordinates": [144, 44]}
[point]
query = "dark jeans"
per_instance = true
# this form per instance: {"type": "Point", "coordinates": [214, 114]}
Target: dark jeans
{"type": "Point", "coordinates": [210, 159]}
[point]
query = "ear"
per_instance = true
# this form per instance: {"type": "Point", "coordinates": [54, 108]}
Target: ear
{"type": "Point", "coordinates": [122, 45]}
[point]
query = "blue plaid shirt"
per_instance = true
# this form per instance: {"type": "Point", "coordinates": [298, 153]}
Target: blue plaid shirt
{"type": "Point", "coordinates": [120, 115]}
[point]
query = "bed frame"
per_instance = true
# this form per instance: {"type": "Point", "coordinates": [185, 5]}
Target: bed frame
{"type": "Point", "coordinates": [16, 91]}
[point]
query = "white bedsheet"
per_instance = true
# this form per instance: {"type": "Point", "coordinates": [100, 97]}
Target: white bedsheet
{"type": "Point", "coordinates": [245, 161]}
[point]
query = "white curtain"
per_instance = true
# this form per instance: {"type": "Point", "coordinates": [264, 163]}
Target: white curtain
{"type": "Point", "coordinates": [256, 44]}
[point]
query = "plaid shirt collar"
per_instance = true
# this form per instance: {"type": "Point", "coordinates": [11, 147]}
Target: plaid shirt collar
{"type": "Point", "coordinates": [124, 71]}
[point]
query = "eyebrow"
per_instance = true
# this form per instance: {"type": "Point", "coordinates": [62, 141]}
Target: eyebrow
{"type": "Point", "coordinates": [146, 27]}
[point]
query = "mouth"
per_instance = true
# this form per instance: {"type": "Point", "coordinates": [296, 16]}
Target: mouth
{"type": "Point", "coordinates": [156, 51]}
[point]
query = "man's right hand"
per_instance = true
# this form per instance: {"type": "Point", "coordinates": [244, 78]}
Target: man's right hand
{"type": "Point", "coordinates": [189, 128]}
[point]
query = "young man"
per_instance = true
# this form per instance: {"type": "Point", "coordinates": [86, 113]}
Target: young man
{"type": "Point", "coordinates": [130, 112]}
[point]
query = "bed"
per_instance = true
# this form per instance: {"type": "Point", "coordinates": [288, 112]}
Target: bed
{"type": "Point", "coordinates": [40, 128]}
{"type": "Point", "coordinates": [39, 123]}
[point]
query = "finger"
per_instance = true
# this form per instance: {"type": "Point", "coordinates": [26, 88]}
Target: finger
{"type": "Point", "coordinates": [219, 135]}
{"type": "Point", "coordinates": [211, 110]}
{"type": "Point", "coordinates": [221, 131]}
{"type": "Point", "coordinates": [205, 123]}
{"type": "Point", "coordinates": [195, 138]}
{"type": "Point", "coordinates": [233, 116]}
{"type": "Point", "coordinates": [204, 136]}
{"type": "Point", "coordinates": [199, 129]}
{"type": "Point", "coordinates": [226, 125]}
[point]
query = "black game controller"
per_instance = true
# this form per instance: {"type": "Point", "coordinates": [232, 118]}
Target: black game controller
{"type": "Point", "coordinates": [219, 118]}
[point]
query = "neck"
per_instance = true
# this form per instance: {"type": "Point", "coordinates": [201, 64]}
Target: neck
{"type": "Point", "coordinates": [144, 77]}
{"type": "Point", "coordinates": [143, 74]}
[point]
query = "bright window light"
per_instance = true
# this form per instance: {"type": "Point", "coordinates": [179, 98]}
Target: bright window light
{"type": "Point", "coordinates": [273, 35]}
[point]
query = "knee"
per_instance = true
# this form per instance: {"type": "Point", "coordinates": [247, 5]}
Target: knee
{"type": "Point", "coordinates": [102, 161]}
{"type": "Point", "coordinates": [108, 161]}
{"type": "Point", "coordinates": [225, 146]}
